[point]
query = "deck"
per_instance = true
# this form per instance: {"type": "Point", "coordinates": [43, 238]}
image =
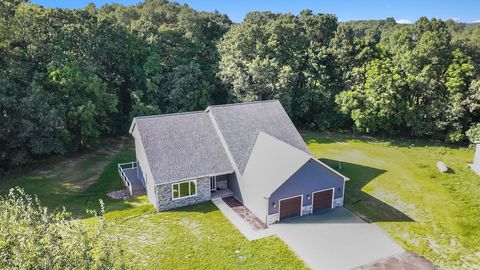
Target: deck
{"type": "Point", "coordinates": [131, 178]}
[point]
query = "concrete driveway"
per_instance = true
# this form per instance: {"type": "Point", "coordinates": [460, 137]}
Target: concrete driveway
{"type": "Point", "coordinates": [335, 240]}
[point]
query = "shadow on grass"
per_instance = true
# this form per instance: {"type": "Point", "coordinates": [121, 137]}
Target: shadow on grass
{"type": "Point", "coordinates": [361, 203]}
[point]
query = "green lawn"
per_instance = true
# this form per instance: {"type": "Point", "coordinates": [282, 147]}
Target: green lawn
{"type": "Point", "coordinates": [396, 185]}
{"type": "Point", "coordinates": [196, 237]}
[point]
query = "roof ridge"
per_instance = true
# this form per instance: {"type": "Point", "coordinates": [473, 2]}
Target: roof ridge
{"type": "Point", "coordinates": [242, 103]}
{"type": "Point", "coordinates": [166, 115]}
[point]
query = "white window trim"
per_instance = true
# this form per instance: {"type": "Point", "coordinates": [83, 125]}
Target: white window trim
{"type": "Point", "coordinates": [189, 189]}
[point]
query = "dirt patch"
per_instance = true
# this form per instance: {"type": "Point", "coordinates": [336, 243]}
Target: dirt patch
{"type": "Point", "coordinates": [244, 213]}
{"type": "Point", "coordinates": [404, 261]}
{"type": "Point", "coordinates": [81, 170]}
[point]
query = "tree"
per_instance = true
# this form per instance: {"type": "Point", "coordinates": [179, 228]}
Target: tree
{"type": "Point", "coordinates": [473, 133]}
{"type": "Point", "coordinates": [32, 237]}
{"type": "Point", "coordinates": [285, 57]}
{"type": "Point", "coordinates": [458, 77]}
{"type": "Point", "coordinates": [85, 102]}
{"type": "Point", "coordinates": [422, 52]}
{"type": "Point", "coordinates": [376, 103]}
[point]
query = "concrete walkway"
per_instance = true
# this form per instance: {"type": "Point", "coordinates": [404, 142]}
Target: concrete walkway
{"type": "Point", "coordinates": [241, 224]}
{"type": "Point", "coordinates": [335, 240]}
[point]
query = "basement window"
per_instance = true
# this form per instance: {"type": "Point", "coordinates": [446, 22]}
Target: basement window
{"type": "Point", "coordinates": [184, 189]}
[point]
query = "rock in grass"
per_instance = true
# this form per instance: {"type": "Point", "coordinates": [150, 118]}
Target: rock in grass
{"type": "Point", "coordinates": [122, 194]}
{"type": "Point", "coordinates": [442, 167]}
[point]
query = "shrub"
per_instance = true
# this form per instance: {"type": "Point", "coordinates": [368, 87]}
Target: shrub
{"type": "Point", "coordinates": [32, 237]}
{"type": "Point", "coordinates": [473, 133]}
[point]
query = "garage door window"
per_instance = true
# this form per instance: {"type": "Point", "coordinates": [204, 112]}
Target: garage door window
{"type": "Point", "coordinates": [184, 189]}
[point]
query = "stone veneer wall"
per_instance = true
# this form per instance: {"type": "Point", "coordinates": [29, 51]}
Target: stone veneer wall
{"type": "Point", "coordinates": [306, 210]}
{"type": "Point", "coordinates": [338, 202]}
{"type": "Point", "coordinates": [164, 195]}
{"type": "Point", "coordinates": [273, 218]}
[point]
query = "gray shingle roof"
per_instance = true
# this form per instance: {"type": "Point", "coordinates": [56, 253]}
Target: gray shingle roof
{"type": "Point", "coordinates": [181, 146]}
{"type": "Point", "coordinates": [241, 123]}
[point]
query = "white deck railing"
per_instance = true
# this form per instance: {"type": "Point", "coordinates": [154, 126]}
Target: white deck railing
{"type": "Point", "coordinates": [127, 166]}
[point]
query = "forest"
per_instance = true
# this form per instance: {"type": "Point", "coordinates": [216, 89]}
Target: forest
{"type": "Point", "coordinates": [70, 77]}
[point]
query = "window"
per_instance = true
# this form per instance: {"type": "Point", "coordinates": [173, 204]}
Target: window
{"type": "Point", "coordinates": [184, 189]}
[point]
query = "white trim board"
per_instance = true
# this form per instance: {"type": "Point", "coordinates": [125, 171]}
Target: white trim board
{"type": "Point", "coordinates": [330, 168]}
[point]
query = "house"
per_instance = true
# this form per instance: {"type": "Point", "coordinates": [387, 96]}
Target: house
{"type": "Point", "coordinates": [476, 159]}
{"type": "Point", "coordinates": [249, 150]}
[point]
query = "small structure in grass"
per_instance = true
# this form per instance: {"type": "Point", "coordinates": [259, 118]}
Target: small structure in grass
{"type": "Point", "coordinates": [122, 194]}
{"type": "Point", "coordinates": [442, 167]}
{"type": "Point", "coordinates": [476, 160]}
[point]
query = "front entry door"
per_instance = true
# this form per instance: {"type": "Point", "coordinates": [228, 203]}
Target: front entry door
{"type": "Point", "coordinates": [213, 183]}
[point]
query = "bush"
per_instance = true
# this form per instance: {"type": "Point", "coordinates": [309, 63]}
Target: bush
{"type": "Point", "coordinates": [32, 237]}
{"type": "Point", "coordinates": [473, 133]}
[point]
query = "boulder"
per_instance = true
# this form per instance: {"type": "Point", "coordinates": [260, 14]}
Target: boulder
{"type": "Point", "coordinates": [442, 167]}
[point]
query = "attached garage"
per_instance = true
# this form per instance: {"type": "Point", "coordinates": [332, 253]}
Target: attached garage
{"type": "Point", "coordinates": [322, 200]}
{"type": "Point", "coordinates": [281, 182]}
{"type": "Point", "coordinates": [291, 207]}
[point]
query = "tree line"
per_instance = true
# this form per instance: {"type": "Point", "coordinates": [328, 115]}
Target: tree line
{"type": "Point", "coordinates": [70, 77]}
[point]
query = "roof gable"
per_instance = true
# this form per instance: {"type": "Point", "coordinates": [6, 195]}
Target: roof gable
{"type": "Point", "coordinates": [181, 146]}
{"type": "Point", "coordinates": [271, 163]}
{"type": "Point", "coordinates": [240, 124]}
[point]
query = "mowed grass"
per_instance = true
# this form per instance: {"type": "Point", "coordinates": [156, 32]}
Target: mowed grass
{"type": "Point", "coordinates": [194, 237]}
{"type": "Point", "coordinates": [395, 184]}
{"type": "Point", "coordinates": [77, 182]}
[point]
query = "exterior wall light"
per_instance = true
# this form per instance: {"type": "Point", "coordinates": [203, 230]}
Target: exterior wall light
{"type": "Point", "coordinates": [274, 205]}
{"type": "Point", "coordinates": [308, 197]}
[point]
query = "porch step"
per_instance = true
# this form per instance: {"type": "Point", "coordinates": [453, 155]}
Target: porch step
{"type": "Point", "coordinates": [221, 193]}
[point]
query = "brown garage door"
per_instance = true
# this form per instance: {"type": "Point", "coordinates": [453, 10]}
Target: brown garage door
{"type": "Point", "coordinates": [322, 200]}
{"type": "Point", "coordinates": [290, 207]}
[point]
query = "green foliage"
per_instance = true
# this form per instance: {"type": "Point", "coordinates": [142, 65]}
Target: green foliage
{"type": "Point", "coordinates": [423, 90]}
{"type": "Point", "coordinates": [85, 101]}
{"type": "Point", "coordinates": [31, 237]}
{"type": "Point", "coordinates": [70, 77]}
{"type": "Point", "coordinates": [473, 133]}
{"type": "Point", "coordinates": [375, 103]}
{"type": "Point", "coordinates": [285, 57]}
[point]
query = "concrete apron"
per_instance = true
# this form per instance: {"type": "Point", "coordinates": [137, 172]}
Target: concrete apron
{"type": "Point", "coordinates": [336, 240]}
